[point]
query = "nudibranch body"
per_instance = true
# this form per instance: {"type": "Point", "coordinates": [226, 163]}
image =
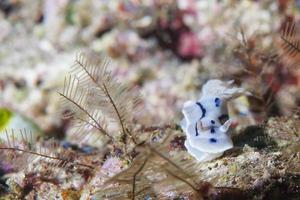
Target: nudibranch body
{"type": "Point", "coordinates": [206, 122]}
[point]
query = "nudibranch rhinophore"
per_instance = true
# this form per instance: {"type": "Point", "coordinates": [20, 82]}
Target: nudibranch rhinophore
{"type": "Point", "coordinates": [206, 121]}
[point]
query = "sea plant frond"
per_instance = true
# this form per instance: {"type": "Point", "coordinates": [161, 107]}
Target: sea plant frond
{"type": "Point", "coordinates": [154, 173]}
{"type": "Point", "coordinates": [290, 41]}
{"type": "Point", "coordinates": [75, 107]}
{"type": "Point", "coordinates": [103, 94]}
{"type": "Point", "coordinates": [24, 151]}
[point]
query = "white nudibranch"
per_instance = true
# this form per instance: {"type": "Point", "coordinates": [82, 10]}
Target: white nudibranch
{"type": "Point", "coordinates": [206, 121]}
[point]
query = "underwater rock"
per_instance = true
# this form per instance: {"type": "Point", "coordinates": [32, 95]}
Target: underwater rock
{"type": "Point", "coordinates": [284, 130]}
{"type": "Point", "coordinates": [244, 172]}
{"type": "Point", "coordinates": [263, 170]}
{"type": "Point", "coordinates": [255, 137]}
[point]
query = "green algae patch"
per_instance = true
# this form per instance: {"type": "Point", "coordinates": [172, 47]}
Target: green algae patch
{"type": "Point", "coordinates": [5, 117]}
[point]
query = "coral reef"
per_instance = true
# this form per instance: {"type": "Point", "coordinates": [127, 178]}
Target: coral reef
{"type": "Point", "coordinates": [110, 129]}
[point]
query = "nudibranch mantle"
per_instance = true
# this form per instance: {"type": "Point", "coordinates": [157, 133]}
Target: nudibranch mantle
{"type": "Point", "coordinates": [206, 121]}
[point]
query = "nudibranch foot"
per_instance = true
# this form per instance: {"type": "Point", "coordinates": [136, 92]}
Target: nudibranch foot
{"type": "Point", "coordinates": [200, 155]}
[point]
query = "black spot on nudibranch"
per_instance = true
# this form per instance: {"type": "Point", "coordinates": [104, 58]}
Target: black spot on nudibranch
{"type": "Point", "coordinates": [212, 140]}
{"type": "Point", "coordinates": [212, 121]}
{"type": "Point", "coordinates": [217, 101]}
{"type": "Point", "coordinates": [202, 109]}
{"type": "Point", "coordinates": [212, 130]}
{"type": "Point", "coordinates": [196, 129]}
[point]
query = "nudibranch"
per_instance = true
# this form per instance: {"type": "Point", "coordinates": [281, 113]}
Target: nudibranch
{"type": "Point", "coordinates": [206, 121]}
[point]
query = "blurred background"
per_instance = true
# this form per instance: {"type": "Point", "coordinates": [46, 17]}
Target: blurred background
{"type": "Point", "coordinates": [167, 49]}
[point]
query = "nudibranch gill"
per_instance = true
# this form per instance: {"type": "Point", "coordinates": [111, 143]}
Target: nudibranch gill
{"type": "Point", "coordinates": [206, 121]}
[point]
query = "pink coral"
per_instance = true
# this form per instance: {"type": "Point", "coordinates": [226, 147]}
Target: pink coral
{"type": "Point", "coordinates": [189, 45]}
